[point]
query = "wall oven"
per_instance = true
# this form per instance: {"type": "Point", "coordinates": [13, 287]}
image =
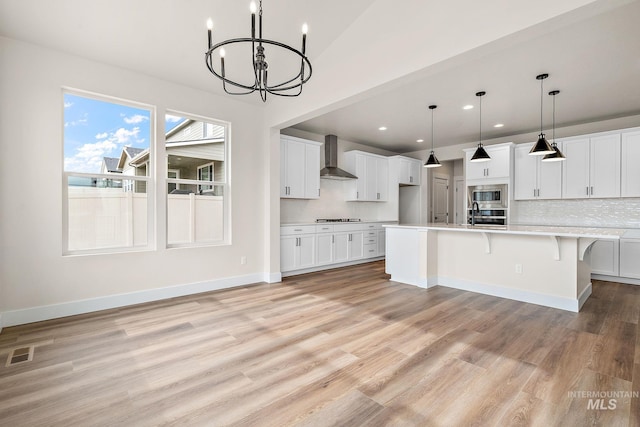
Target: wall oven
{"type": "Point", "coordinates": [490, 203]}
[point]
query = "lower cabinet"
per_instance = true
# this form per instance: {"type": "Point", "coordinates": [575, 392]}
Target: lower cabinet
{"type": "Point", "coordinates": [604, 257]}
{"type": "Point", "coordinates": [308, 246]}
{"type": "Point", "coordinates": [629, 257]}
{"type": "Point", "coordinates": [297, 252]}
{"type": "Point", "coordinates": [617, 258]}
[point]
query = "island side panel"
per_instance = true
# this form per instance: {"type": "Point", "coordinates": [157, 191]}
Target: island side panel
{"type": "Point", "coordinates": [406, 255]}
{"type": "Point", "coordinates": [463, 263]}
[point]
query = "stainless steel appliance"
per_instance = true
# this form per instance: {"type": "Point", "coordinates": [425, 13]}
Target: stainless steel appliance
{"type": "Point", "coordinates": [338, 220]}
{"type": "Point", "coordinates": [488, 205]}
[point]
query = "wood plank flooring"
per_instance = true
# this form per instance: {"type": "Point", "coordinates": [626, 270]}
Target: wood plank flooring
{"type": "Point", "coordinates": [344, 347]}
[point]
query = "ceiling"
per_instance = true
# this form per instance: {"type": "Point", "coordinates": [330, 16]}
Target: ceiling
{"type": "Point", "coordinates": [595, 63]}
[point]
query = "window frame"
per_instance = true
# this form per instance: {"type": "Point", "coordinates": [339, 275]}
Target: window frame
{"type": "Point", "coordinates": [225, 183]}
{"type": "Point", "coordinates": [148, 179]}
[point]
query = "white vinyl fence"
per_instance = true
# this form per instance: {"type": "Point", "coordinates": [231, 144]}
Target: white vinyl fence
{"type": "Point", "coordinates": [111, 218]}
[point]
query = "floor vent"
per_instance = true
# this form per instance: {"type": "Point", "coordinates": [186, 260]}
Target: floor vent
{"type": "Point", "coordinates": [20, 355]}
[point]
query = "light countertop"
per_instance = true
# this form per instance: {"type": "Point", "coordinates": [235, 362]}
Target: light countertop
{"type": "Point", "coordinates": [537, 230]}
{"type": "Point", "coordinates": [334, 223]}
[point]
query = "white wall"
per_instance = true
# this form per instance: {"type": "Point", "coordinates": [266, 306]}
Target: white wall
{"type": "Point", "coordinates": [33, 271]}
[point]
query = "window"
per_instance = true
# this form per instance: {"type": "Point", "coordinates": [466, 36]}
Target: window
{"type": "Point", "coordinates": [197, 182]}
{"type": "Point", "coordinates": [107, 163]}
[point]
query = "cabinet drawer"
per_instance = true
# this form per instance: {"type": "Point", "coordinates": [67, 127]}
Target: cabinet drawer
{"type": "Point", "coordinates": [297, 229]}
{"type": "Point", "coordinates": [324, 228]}
{"type": "Point", "coordinates": [371, 233]}
{"type": "Point", "coordinates": [371, 240]}
{"type": "Point", "coordinates": [370, 250]}
{"type": "Point", "coordinates": [372, 226]}
{"type": "Point", "coordinates": [338, 228]}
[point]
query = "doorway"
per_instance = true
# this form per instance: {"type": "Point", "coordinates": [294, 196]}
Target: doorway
{"type": "Point", "coordinates": [440, 201]}
{"type": "Point", "coordinates": [460, 216]}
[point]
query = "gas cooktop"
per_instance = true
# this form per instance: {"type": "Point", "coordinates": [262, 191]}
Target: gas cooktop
{"type": "Point", "coordinates": [338, 220]}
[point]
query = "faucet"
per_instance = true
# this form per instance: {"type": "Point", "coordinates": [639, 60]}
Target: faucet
{"type": "Point", "coordinates": [474, 208]}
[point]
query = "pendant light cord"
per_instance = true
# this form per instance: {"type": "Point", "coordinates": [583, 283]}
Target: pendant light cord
{"type": "Point", "coordinates": [481, 120]}
{"type": "Point", "coordinates": [553, 120]}
{"type": "Point", "coordinates": [432, 129]}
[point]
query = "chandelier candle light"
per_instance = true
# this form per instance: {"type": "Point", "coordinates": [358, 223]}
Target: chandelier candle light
{"type": "Point", "coordinates": [433, 161]}
{"type": "Point", "coordinates": [481, 154]}
{"type": "Point", "coordinates": [288, 87]}
{"type": "Point", "coordinates": [542, 146]}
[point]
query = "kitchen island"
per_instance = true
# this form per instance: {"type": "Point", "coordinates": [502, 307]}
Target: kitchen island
{"type": "Point", "coordinates": [541, 265]}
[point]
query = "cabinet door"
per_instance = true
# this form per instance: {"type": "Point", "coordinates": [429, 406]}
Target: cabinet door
{"type": "Point", "coordinates": [288, 249]}
{"type": "Point", "coordinates": [306, 251]}
{"type": "Point", "coordinates": [498, 166]}
{"type": "Point", "coordinates": [312, 172]}
{"type": "Point", "coordinates": [630, 172]}
{"type": "Point", "coordinates": [324, 245]}
{"type": "Point", "coordinates": [414, 172]}
{"type": "Point", "coordinates": [341, 247]}
{"type": "Point", "coordinates": [361, 173]}
{"type": "Point", "coordinates": [381, 242]}
{"type": "Point", "coordinates": [526, 173]}
{"type": "Point", "coordinates": [283, 169]}
{"type": "Point", "coordinates": [550, 178]}
{"type": "Point", "coordinates": [605, 166]}
{"type": "Point", "coordinates": [382, 179]}
{"type": "Point", "coordinates": [629, 256]}
{"type": "Point", "coordinates": [604, 257]}
{"type": "Point", "coordinates": [356, 245]}
{"type": "Point", "coordinates": [370, 180]}
{"type": "Point", "coordinates": [575, 171]}
{"type": "Point", "coordinates": [404, 174]}
{"type": "Point", "coordinates": [474, 170]}
{"type": "Point", "coordinates": [295, 169]}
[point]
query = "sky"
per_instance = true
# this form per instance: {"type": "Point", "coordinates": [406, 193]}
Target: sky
{"type": "Point", "coordinates": [94, 129]}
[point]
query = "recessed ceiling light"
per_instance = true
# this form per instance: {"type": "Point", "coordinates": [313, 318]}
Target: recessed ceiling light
{"type": "Point", "coordinates": [498, 125]}
{"type": "Point", "coordinates": [467, 107]}
{"type": "Point", "coordinates": [420, 140]}
{"type": "Point", "coordinates": [382, 128]}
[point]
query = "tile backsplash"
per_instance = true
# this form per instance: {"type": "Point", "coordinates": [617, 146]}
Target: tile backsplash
{"type": "Point", "coordinates": [616, 213]}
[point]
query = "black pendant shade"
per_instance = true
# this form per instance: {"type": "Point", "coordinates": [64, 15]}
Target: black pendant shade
{"type": "Point", "coordinates": [481, 154]}
{"type": "Point", "coordinates": [557, 155]}
{"type": "Point", "coordinates": [542, 146]}
{"type": "Point", "coordinates": [432, 161]}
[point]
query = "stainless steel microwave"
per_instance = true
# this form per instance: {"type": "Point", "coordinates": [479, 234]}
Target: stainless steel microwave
{"type": "Point", "coordinates": [488, 195]}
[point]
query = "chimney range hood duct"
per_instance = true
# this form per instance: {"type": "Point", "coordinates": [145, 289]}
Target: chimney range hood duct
{"type": "Point", "coordinates": [331, 170]}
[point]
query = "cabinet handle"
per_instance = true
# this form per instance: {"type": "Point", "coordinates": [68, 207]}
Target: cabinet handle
{"type": "Point", "coordinates": [297, 229]}
{"type": "Point", "coordinates": [318, 192]}
{"type": "Point", "coordinates": [592, 190]}
{"type": "Point", "coordinates": [534, 192]}
{"type": "Point", "coordinates": [333, 239]}
{"type": "Point", "coordinates": [350, 237]}
{"type": "Point", "coordinates": [410, 179]}
{"type": "Point", "coordinates": [587, 191]}
{"type": "Point", "coordinates": [357, 194]}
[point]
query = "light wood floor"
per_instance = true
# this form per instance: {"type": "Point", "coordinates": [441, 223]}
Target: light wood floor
{"type": "Point", "coordinates": [343, 347]}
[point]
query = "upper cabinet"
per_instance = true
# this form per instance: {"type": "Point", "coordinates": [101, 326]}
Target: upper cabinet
{"type": "Point", "coordinates": [408, 170]}
{"type": "Point", "coordinates": [630, 185]}
{"type": "Point", "coordinates": [533, 178]}
{"type": "Point", "coordinates": [372, 171]}
{"type": "Point", "coordinates": [299, 168]}
{"type": "Point", "coordinates": [497, 169]}
{"type": "Point", "coordinates": [592, 167]}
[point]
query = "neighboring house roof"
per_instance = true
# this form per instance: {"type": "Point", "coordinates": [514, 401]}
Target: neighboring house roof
{"type": "Point", "coordinates": [111, 164]}
{"type": "Point", "coordinates": [127, 154]}
{"type": "Point", "coordinates": [132, 151]}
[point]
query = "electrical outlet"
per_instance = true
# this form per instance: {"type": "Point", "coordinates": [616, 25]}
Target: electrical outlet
{"type": "Point", "coordinates": [519, 268]}
{"type": "Point", "coordinates": [243, 260]}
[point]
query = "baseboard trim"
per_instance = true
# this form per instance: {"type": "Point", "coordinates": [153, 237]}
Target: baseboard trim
{"type": "Point", "coordinates": [561, 303]}
{"type": "Point", "coordinates": [54, 311]}
{"type": "Point", "coordinates": [586, 293]}
{"type": "Point", "coordinates": [617, 279]}
{"type": "Point", "coordinates": [273, 277]}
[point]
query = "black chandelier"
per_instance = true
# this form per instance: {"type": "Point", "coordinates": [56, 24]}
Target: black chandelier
{"type": "Point", "coordinates": [289, 87]}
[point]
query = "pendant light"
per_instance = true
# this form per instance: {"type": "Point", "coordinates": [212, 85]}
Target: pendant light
{"type": "Point", "coordinates": [542, 146]}
{"type": "Point", "coordinates": [433, 161]}
{"type": "Point", "coordinates": [557, 155]}
{"type": "Point", "coordinates": [481, 154]}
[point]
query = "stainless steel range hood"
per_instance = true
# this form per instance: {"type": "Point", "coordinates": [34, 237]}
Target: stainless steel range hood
{"type": "Point", "coordinates": [331, 169]}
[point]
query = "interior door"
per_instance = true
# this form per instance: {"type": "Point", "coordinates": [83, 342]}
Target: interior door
{"type": "Point", "coordinates": [461, 217]}
{"type": "Point", "coordinates": [440, 199]}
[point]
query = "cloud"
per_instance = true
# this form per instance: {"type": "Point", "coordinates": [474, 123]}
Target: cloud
{"type": "Point", "coordinates": [123, 136]}
{"type": "Point", "coordinates": [68, 104]}
{"type": "Point", "coordinates": [135, 119]}
{"type": "Point", "coordinates": [88, 157]}
{"type": "Point", "coordinates": [102, 135]}
{"type": "Point", "coordinates": [171, 118]}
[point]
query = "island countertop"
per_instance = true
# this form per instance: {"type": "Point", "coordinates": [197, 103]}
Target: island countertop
{"type": "Point", "coordinates": [537, 230]}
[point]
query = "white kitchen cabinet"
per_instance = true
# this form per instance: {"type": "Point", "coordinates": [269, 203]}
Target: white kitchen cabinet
{"type": "Point", "coordinates": [373, 176]}
{"type": "Point", "coordinates": [299, 168]}
{"type": "Point", "coordinates": [605, 257]}
{"type": "Point", "coordinates": [408, 170]}
{"type": "Point", "coordinates": [381, 242]}
{"type": "Point", "coordinates": [630, 172]}
{"type": "Point", "coordinates": [629, 258]}
{"type": "Point", "coordinates": [592, 167]}
{"type": "Point", "coordinates": [325, 245]}
{"type": "Point", "coordinates": [297, 252]}
{"type": "Point", "coordinates": [498, 168]}
{"type": "Point", "coordinates": [349, 246]}
{"type": "Point", "coordinates": [533, 178]}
